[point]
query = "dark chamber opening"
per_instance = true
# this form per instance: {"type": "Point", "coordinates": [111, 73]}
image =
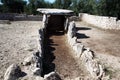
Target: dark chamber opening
{"type": "Point", "coordinates": [55, 27]}
{"type": "Point", "coordinates": [56, 23]}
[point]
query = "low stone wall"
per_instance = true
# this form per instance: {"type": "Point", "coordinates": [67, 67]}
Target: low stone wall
{"type": "Point", "coordinates": [7, 16]}
{"type": "Point", "coordinates": [19, 17]}
{"type": "Point", "coordinates": [101, 21]}
{"type": "Point", "coordinates": [85, 55]}
{"type": "Point", "coordinates": [28, 18]}
{"type": "Point", "coordinates": [32, 65]}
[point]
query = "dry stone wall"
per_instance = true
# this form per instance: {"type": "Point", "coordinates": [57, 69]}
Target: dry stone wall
{"type": "Point", "coordinates": [19, 17]}
{"type": "Point", "coordinates": [85, 54]}
{"type": "Point", "coordinates": [31, 65]}
{"type": "Point", "coordinates": [101, 21]}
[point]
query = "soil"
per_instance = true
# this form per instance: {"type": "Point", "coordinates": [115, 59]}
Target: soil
{"type": "Point", "coordinates": [105, 44]}
{"type": "Point", "coordinates": [60, 59]}
{"type": "Point", "coordinates": [99, 40]}
{"type": "Point", "coordinates": [17, 40]}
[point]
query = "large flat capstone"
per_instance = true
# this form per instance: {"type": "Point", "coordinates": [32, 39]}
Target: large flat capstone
{"type": "Point", "coordinates": [55, 11]}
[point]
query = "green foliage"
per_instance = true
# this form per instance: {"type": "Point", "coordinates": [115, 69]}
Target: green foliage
{"type": "Point", "coordinates": [16, 6]}
{"type": "Point", "coordinates": [34, 4]}
{"type": "Point", "coordinates": [95, 7]}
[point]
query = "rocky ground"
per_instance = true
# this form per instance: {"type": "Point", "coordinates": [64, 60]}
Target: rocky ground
{"type": "Point", "coordinates": [105, 44]}
{"type": "Point", "coordinates": [59, 58]}
{"type": "Point", "coordinates": [17, 40]}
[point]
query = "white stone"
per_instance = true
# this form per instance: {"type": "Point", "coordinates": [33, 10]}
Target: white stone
{"type": "Point", "coordinates": [66, 24]}
{"type": "Point", "coordinates": [87, 55]}
{"type": "Point", "coordinates": [28, 60]}
{"type": "Point", "coordinates": [52, 76]}
{"type": "Point", "coordinates": [78, 48]}
{"type": "Point", "coordinates": [37, 71]}
{"type": "Point", "coordinates": [55, 11]}
{"type": "Point", "coordinates": [39, 78]}
{"type": "Point", "coordinates": [13, 72]}
{"type": "Point", "coordinates": [93, 67]}
{"type": "Point", "coordinates": [5, 22]}
{"type": "Point", "coordinates": [73, 41]}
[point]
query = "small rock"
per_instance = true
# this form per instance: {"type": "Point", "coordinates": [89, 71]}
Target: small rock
{"type": "Point", "coordinates": [37, 71]}
{"type": "Point", "coordinates": [93, 68]}
{"type": "Point", "coordinates": [87, 55]}
{"type": "Point", "coordinates": [52, 76]}
{"type": "Point", "coordinates": [73, 41]}
{"type": "Point", "coordinates": [13, 72]}
{"type": "Point", "coordinates": [39, 78]}
{"type": "Point", "coordinates": [78, 48]}
{"type": "Point", "coordinates": [28, 60]}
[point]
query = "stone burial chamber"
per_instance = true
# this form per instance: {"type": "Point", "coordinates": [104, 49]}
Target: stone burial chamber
{"type": "Point", "coordinates": [55, 58]}
{"type": "Point", "coordinates": [55, 19]}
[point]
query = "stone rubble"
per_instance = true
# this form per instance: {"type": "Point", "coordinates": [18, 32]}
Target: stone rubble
{"type": "Point", "coordinates": [32, 64]}
{"type": "Point", "coordinates": [85, 54]}
{"type": "Point", "coordinates": [52, 76]}
{"type": "Point", "coordinates": [5, 22]}
{"type": "Point", "coordinates": [13, 72]}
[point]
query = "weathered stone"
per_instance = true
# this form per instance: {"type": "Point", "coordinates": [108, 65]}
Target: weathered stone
{"type": "Point", "coordinates": [78, 48]}
{"type": "Point", "coordinates": [107, 78]}
{"type": "Point", "coordinates": [73, 41]}
{"type": "Point", "coordinates": [55, 11]}
{"type": "Point", "coordinates": [37, 64]}
{"type": "Point", "coordinates": [66, 25]}
{"type": "Point", "coordinates": [39, 78]}
{"type": "Point", "coordinates": [72, 29]}
{"type": "Point", "coordinates": [87, 55]}
{"type": "Point", "coordinates": [37, 71]}
{"type": "Point", "coordinates": [4, 22]}
{"type": "Point", "coordinates": [52, 76]}
{"type": "Point", "coordinates": [94, 68]}
{"type": "Point", "coordinates": [13, 72]}
{"type": "Point", "coordinates": [78, 78]}
{"type": "Point", "coordinates": [27, 61]}
{"type": "Point", "coordinates": [44, 18]}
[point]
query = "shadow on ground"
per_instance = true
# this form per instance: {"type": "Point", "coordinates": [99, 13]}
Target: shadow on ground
{"type": "Point", "coordinates": [81, 35]}
{"type": "Point", "coordinates": [49, 48]}
{"type": "Point", "coordinates": [82, 28]}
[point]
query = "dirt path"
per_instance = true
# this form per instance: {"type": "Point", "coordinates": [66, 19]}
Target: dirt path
{"type": "Point", "coordinates": [100, 41]}
{"type": "Point", "coordinates": [60, 59]}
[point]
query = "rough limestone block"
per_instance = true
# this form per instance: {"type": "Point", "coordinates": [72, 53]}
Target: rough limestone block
{"type": "Point", "coordinates": [45, 19]}
{"type": "Point", "coordinates": [73, 41]}
{"type": "Point", "coordinates": [39, 78]}
{"type": "Point", "coordinates": [5, 22]}
{"type": "Point", "coordinates": [13, 72]}
{"type": "Point", "coordinates": [72, 29]}
{"type": "Point", "coordinates": [52, 76]}
{"type": "Point", "coordinates": [37, 71]}
{"type": "Point", "coordinates": [27, 61]}
{"type": "Point", "coordinates": [87, 55]}
{"type": "Point", "coordinates": [95, 69]}
{"type": "Point", "coordinates": [78, 48]}
{"type": "Point", "coordinates": [66, 25]}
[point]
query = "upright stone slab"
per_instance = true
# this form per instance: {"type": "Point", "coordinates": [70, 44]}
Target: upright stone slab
{"type": "Point", "coordinates": [13, 72]}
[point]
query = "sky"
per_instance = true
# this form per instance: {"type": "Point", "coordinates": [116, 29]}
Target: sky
{"type": "Point", "coordinates": [51, 1]}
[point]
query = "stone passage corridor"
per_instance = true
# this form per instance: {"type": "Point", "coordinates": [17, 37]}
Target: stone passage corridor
{"type": "Point", "coordinates": [58, 57]}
